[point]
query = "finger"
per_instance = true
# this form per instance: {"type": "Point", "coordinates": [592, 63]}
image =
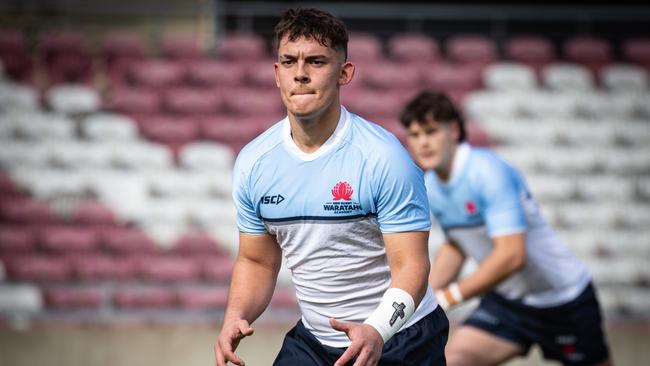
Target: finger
{"type": "Point", "coordinates": [365, 358]}
{"type": "Point", "coordinates": [228, 353]}
{"type": "Point", "coordinates": [218, 356]}
{"type": "Point", "coordinates": [245, 329]}
{"type": "Point", "coordinates": [348, 354]}
{"type": "Point", "coordinates": [343, 327]}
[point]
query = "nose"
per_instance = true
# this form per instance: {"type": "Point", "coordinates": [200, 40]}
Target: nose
{"type": "Point", "coordinates": [301, 74]}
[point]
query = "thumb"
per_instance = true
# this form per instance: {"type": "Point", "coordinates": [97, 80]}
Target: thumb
{"type": "Point", "coordinates": [245, 329]}
{"type": "Point", "coordinates": [342, 327]}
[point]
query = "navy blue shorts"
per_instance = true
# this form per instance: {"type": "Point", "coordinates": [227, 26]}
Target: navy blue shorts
{"type": "Point", "coordinates": [570, 333]}
{"type": "Point", "coordinates": [422, 344]}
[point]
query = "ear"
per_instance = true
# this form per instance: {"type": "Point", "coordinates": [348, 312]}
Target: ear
{"type": "Point", "coordinates": [275, 72]}
{"type": "Point", "coordinates": [347, 72]}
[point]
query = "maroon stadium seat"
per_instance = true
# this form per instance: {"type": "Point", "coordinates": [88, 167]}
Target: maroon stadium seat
{"type": "Point", "coordinates": [242, 47]}
{"type": "Point", "coordinates": [118, 45]}
{"type": "Point", "coordinates": [38, 268]}
{"type": "Point", "coordinates": [169, 129]}
{"type": "Point", "coordinates": [374, 104]}
{"type": "Point", "coordinates": [93, 213]}
{"type": "Point", "coordinates": [181, 47]}
{"type": "Point", "coordinates": [413, 48]}
{"type": "Point", "coordinates": [56, 42]}
{"type": "Point", "coordinates": [534, 51]}
{"type": "Point", "coordinates": [168, 268]}
{"type": "Point", "coordinates": [66, 56]}
{"type": "Point", "coordinates": [145, 297]}
{"type": "Point", "coordinates": [364, 48]}
{"type": "Point", "coordinates": [127, 240]}
{"type": "Point", "coordinates": [198, 242]}
{"type": "Point", "coordinates": [232, 130]}
{"type": "Point", "coordinates": [154, 73]}
{"type": "Point", "coordinates": [191, 101]}
{"type": "Point", "coordinates": [203, 298]}
{"type": "Point", "coordinates": [283, 298]}
{"type": "Point", "coordinates": [260, 74]}
{"type": "Point", "coordinates": [103, 267]}
{"type": "Point", "coordinates": [473, 49]}
{"type": "Point", "coordinates": [73, 297]}
{"type": "Point", "coordinates": [637, 50]}
{"type": "Point", "coordinates": [64, 239]}
{"type": "Point", "coordinates": [25, 210]}
{"type": "Point", "coordinates": [8, 188]}
{"type": "Point", "coordinates": [392, 76]}
{"type": "Point", "coordinates": [133, 101]}
{"type": "Point", "coordinates": [253, 101]}
{"type": "Point", "coordinates": [213, 73]}
{"type": "Point", "coordinates": [591, 52]}
{"type": "Point", "coordinates": [15, 57]}
{"type": "Point", "coordinates": [454, 78]}
{"type": "Point", "coordinates": [17, 239]}
{"type": "Point", "coordinates": [216, 268]}
{"type": "Point", "coordinates": [477, 135]}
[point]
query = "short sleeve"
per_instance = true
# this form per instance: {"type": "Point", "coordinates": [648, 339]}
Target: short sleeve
{"type": "Point", "coordinates": [248, 220]}
{"type": "Point", "coordinates": [401, 199]}
{"type": "Point", "coordinates": [501, 196]}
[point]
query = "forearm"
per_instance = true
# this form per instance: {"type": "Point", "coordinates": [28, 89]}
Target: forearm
{"type": "Point", "coordinates": [251, 289]}
{"type": "Point", "coordinates": [409, 263]}
{"type": "Point", "coordinates": [446, 265]}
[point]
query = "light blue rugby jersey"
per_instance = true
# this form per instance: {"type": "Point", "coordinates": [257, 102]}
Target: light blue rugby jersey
{"type": "Point", "coordinates": [328, 211]}
{"type": "Point", "coordinates": [485, 197]}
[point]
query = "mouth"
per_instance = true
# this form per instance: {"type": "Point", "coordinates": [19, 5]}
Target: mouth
{"type": "Point", "coordinates": [302, 93]}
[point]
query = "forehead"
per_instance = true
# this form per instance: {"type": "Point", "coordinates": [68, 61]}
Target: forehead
{"type": "Point", "coordinates": [429, 122]}
{"type": "Point", "coordinates": [307, 46]}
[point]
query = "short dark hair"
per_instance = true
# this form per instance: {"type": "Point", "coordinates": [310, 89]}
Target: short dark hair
{"type": "Point", "coordinates": [316, 24]}
{"type": "Point", "coordinates": [434, 105]}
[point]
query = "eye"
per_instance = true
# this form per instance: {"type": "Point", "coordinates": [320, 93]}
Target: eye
{"type": "Point", "coordinates": [286, 62]}
{"type": "Point", "coordinates": [317, 62]}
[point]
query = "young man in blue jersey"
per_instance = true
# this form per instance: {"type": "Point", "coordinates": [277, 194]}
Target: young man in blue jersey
{"type": "Point", "coordinates": [534, 291]}
{"type": "Point", "coordinates": [345, 205]}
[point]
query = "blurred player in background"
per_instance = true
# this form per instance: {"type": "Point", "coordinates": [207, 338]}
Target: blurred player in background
{"type": "Point", "coordinates": [346, 206]}
{"type": "Point", "coordinates": [534, 291]}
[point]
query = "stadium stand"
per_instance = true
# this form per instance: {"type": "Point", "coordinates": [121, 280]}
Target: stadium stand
{"type": "Point", "coordinates": [116, 196]}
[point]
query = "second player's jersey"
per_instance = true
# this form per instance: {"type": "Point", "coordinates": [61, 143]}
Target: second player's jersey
{"type": "Point", "coordinates": [328, 211]}
{"type": "Point", "coordinates": [484, 198]}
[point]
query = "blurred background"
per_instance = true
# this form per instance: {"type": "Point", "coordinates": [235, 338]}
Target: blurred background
{"type": "Point", "coordinates": [120, 121]}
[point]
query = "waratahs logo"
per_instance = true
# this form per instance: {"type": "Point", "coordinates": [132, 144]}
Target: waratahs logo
{"type": "Point", "coordinates": [342, 191]}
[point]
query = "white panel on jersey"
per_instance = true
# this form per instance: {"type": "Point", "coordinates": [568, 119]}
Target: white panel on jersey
{"type": "Point", "coordinates": [206, 156]}
{"type": "Point", "coordinates": [73, 99]}
{"type": "Point", "coordinates": [624, 77]}
{"type": "Point", "coordinates": [112, 127]}
{"type": "Point", "coordinates": [568, 77]}
{"type": "Point", "coordinates": [509, 76]}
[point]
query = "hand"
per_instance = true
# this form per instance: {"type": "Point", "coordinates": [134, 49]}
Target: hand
{"type": "Point", "coordinates": [366, 343]}
{"type": "Point", "coordinates": [231, 333]}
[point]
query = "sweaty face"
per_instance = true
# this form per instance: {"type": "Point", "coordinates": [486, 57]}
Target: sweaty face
{"type": "Point", "coordinates": [432, 144]}
{"type": "Point", "coordinates": [309, 75]}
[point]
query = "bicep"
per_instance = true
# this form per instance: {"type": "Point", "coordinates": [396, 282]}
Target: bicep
{"type": "Point", "coordinates": [262, 249]}
{"type": "Point", "coordinates": [407, 247]}
{"type": "Point", "coordinates": [512, 246]}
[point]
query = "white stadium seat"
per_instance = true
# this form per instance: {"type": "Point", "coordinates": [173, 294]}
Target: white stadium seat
{"type": "Point", "coordinates": [568, 77]}
{"type": "Point", "coordinates": [585, 215]}
{"type": "Point", "coordinates": [509, 76]}
{"type": "Point", "coordinates": [206, 213]}
{"type": "Point", "coordinates": [17, 154]}
{"type": "Point", "coordinates": [20, 299]}
{"type": "Point", "coordinates": [549, 104]}
{"type": "Point", "coordinates": [605, 187]}
{"type": "Point", "coordinates": [624, 77]}
{"type": "Point", "coordinates": [17, 97]}
{"type": "Point", "coordinates": [206, 156]}
{"type": "Point", "coordinates": [51, 183]}
{"type": "Point", "coordinates": [109, 127]}
{"type": "Point", "coordinates": [73, 99]}
{"type": "Point", "coordinates": [141, 155]}
{"type": "Point", "coordinates": [551, 187]}
{"type": "Point", "coordinates": [44, 126]}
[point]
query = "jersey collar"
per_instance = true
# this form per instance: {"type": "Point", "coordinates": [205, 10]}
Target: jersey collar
{"type": "Point", "coordinates": [341, 128]}
{"type": "Point", "coordinates": [460, 159]}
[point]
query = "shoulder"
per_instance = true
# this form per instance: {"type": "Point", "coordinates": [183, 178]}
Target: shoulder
{"type": "Point", "coordinates": [259, 148]}
{"type": "Point", "coordinates": [375, 142]}
{"type": "Point", "coordinates": [485, 163]}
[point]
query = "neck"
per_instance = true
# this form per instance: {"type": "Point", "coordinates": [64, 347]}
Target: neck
{"type": "Point", "coordinates": [444, 170]}
{"type": "Point", "coordinates": [310, 133]}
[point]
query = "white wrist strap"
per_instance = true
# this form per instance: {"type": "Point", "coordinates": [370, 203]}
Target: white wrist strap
{"type": "Point", "coordinates": [449, 296]}
{"type": "Point", "coordinates": [395, 308]}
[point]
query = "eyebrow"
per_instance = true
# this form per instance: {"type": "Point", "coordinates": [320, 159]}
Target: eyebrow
{"type": "Point", "coordinates": [308, 58]}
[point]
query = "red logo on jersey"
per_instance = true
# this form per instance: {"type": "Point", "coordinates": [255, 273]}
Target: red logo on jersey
{"type": "Point", "coordinates": [342, 191]}
{"type": "Point", "coordinates": [470, 207]}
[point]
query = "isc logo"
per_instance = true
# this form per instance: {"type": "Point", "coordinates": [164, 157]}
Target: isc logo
{"type": "Point", "coordinates": [274, 200]}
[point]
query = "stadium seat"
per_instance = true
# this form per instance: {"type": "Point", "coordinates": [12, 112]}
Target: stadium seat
{"type": "Point", "coordinates": [73, 99]}
{"type": "Point", "coordinates": [101, 267]}
{"type": "Point", "coordinates": [206, 155]}
{"type": "Point", "coordinates": [568, 77]}
{"type": "Point", "coordinates": [122, 44]}
{"type": "Point", "coordinates": [38, 268]}
{"type": "Point", "coordinates": [283, 298]}
{"type": "Point", "coordinates": [25, 210]}
{"type": "Point", "coordinates": [133, 101]}
{"type": "Point", "coordinates": [364, 48]}
{"type": "Point", "coordinates": [90, 212]}
{"type": "Point", "coordinates": [186, 101]}
{"type": "Point", "coordinates": [181, 47]}
{"type": "Point", "coordinates": [166, 211]}
{"type": "Point", "coordinates": [413, 48]}
{"type": "Point", "coordinates": [254, 101]}
{"type": "Point", "coordinates": [143, 155]}
{"type": "Point", "coordinates": [216, 268]}
{"type": "Point", "coordinates": [73, 297]}
{"type": "Point", "coordinates": [454, 78]}
{"type": "Point", "coordinates": [374, 104]}
{"type": "Point", "coordinates": [591, 52]}
{"type": "Point", "coordinates": [208, 212]}
{"type": "Point", "coordinates": [17, 239]}
{"type": "Point", "coordinates": [203, 298]}
{"type": "Point", "coordinates": [14, 55]}
{"type": "Point", "coordinates": [534, 51]}
{"type": "Point", "coordinates": [155, 73]}
{"type": "Point", "coordinates": [168, 129]}
{"type": "Point", "coordinates": [109, 127]}
{"type": "Point", "coordinates": [509, 76]}
{"type": "Point", "coordinates": [605, 187]}
{"type": "Point", "coordinates": [124, 240]}
{"type": "Point", "coordinates": [549, 104]}
{"type": "Point", "coordinates": [389, 75]}
{"type": "Point", "coordinates": [50, 184]}
{"type": "Point", "coordinates": [197, 242]}
{"type": "Point", "coordinates": [20, 299]}
{"type": "Point", "coordinates": [168, 268]}
{"type": "Point", "coordinates": [216, 74]}
{"type": "Point", "coordinates": [486, 104]}
{"type": "Point", "coordinates": [624, 78]}
{"type": "Point", "coordinates": [551, 188]}
{"type": "Point", "coordinates": [14, 96]}
{"type": "Point", "coordinates": [637, 50]}
{"type": "Point", "coordinates": [64, 239]}
{"type": "Point", "coordinates": [260, 74]}
{"type": "Point", "coordinates": [44, 126]}
{"type": "Point", "coordinates": [139, 297]}
{"type": "Point", "coordinates": [17, 154]}
{"type": "Point", "coordinates": [472, 49]}
{"type": "Point", "coordinates": [66, 56]}
{"type": "Point", "coordinates": [244, 47]}
{"type": "Point", "coordinates": [8, 187]}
